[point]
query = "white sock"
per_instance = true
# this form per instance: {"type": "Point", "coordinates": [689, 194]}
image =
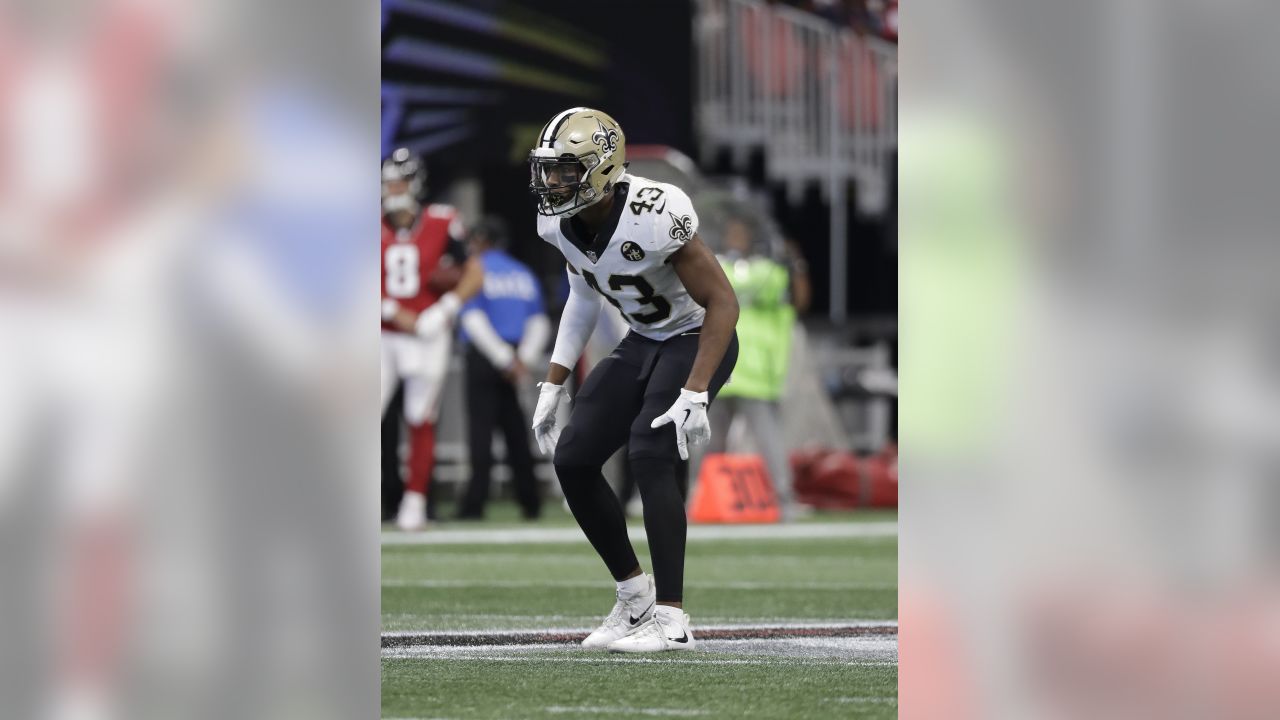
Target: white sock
{"type": "Point", "coordinates": [669, 611]}
{"type": "Point", "coordinates": [635, 585]}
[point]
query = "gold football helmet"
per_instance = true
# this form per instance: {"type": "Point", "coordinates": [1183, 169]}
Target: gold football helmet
{"type": "Point", "coordinates": [580, 154]}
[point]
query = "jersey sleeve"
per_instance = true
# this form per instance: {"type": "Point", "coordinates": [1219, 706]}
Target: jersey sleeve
{"type": "Point", "coordinates": [455, 247]}
{"type": "Point", "coordinates": [450, 215]}
{"type": "Point", "coordinates": [675, 225]}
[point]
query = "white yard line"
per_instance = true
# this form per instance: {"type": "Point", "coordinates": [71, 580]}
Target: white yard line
{"type": "Point", "coordinates": [741, 646]}
{"type": "Point", "coordinates": [726, 585]}
{"type": "Point", "coordinates": [507, 618]}
{"type": "Point", "coordinates": [468, 559]}
{"type": "Point", "coordinates": [420, 654]}
{"type": "Point", "coordinates": [804, 531]}
{"type": "Point", "coordinates": [841, 650]}
{"type": "Point", "coordinates": [765, 625]}
{"type": "Point", "coordinates": [503, 623]}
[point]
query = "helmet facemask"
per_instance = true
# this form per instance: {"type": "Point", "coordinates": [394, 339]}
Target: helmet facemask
{"type": "Point", "coordinates": [398, 197]}
{"type": "Point", "coordinates": [403, 185]}
{"type": "Point", "coordinates": [563, 184]}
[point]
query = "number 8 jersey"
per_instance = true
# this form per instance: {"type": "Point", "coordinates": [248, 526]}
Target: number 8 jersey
{"type": "Point", "coordinates": [411, 255]}
{"type": "Point", "coordinates": [627, 262]}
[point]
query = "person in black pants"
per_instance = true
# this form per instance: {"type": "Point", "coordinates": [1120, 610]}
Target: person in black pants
{"type": "Point", "coordinates": [633, 243]}
{"type": "Point", "coordinates": [506, 331]}
{"type": "Point", "coordinates": [492, 401]}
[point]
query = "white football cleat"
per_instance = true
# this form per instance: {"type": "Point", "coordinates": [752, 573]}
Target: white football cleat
{"type": "Point", "coordinates": [413, 512]}
{"type": "Point", "coordinates": [668, 630]}
{"type": "Point", "coordinates": [629, 613]}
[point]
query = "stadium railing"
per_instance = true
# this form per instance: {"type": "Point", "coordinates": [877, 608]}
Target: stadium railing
{"type": "Point", "coordinates": [818, 99]}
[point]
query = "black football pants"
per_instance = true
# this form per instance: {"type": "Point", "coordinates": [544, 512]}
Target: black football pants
{"type": "Point", "coordinates": [624, 393]}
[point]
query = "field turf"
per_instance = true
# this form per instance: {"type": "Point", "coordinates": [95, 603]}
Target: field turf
{"type": "Point", "coordinates": [533, 585]}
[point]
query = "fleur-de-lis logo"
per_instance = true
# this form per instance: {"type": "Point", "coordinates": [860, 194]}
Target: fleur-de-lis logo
{"type": "Point", "coordinates": [606, 138]}
{"type": "Point", "coordinates": [681, 228]}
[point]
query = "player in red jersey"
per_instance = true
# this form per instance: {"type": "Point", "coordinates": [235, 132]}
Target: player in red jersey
{"type": "Point", "coordinates": [426, 277]}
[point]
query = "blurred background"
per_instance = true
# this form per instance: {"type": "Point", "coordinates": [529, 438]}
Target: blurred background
{"type": "Point", "coordinates": [1089, 377]}
{"type": "Point", "coordinates": [778, 118]}
{"type": "Point", "coordinates": [184, 191]}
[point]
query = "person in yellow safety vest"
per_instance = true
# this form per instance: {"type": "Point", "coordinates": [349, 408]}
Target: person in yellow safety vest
{"type": "Point", "coordinates": [765, 325]}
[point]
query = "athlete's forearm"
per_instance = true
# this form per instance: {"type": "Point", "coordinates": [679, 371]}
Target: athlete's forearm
{"type": "Point", "coordinates": [717, 333]}
{"type": "Point", "coordinates": [557, 374]}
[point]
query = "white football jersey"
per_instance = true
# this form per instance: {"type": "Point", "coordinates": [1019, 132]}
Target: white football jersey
{"type": "Point", "coordinates": [627, 262]}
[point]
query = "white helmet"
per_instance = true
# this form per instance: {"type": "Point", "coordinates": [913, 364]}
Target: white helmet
{"type": "Point", "coordinates": [403, 166]}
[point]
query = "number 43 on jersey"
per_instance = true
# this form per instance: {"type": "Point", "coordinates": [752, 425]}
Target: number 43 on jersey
{"type": "Point", "coordinates": [654, 308]}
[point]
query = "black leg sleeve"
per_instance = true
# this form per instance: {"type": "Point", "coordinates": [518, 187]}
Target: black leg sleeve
{"type": "Point", "coordinates": [664, 523]}
{"type": "Point", "coordinates": [602, 414]}
{"type": "Point", "coordinates": [600, 516]}
{"type": "Point", "coordinates": [661, 476]}
{"type": "Point", "coordinates": [627, 489]}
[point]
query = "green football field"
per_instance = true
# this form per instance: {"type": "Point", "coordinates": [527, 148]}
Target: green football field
{"type": "Point", "coordinates": [798, 621]}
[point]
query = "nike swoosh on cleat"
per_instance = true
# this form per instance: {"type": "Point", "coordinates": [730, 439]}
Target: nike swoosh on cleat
{"type": "Point", "coordinates": [683, 639]}
{"type": "Point", "coordinates": [635, 620]}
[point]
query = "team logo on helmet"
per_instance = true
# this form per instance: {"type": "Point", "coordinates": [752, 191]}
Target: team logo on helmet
{"type": "Point", "coordinates": [606, 138]}
{"type": "Point", "coordinates": [632, 251]}
{"type": "Point", "coordinates": [682, 227]}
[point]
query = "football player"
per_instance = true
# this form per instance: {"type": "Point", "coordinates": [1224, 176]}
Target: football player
{"type": "Point", "coordinates": [426, 277]}
{"type": "Point", "coordinates": [633, 243]}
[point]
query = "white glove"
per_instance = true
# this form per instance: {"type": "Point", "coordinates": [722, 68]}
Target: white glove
{"type": "Point", "coordinates": [432, 322]}
{"type": "Point", "coordinates": [437, 319]}
{"type": "Point", "coordinates": [545, 430]}
{"type": "Point", "coordinates": [689, 415]}
{"type": "Point", "coordinates": [389, 308]}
